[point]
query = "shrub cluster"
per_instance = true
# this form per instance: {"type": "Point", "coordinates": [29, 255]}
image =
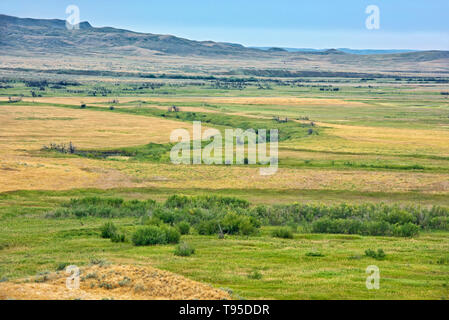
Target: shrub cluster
{"type": "Point", "coordinates": [102, 208]}
{"type": "Point", "coordinates": [183, 227]}
{"type": "Point", "coordinates": [207, 214]}
{"type": "Point", "coordinates": [153, 235]}
{"type": "Point", "coordinates": [365, 219]}
{"type": "Point", "coordinates": [110, 231]}
{"type": "Point", "coordinates": [205, 202]}
{"type": "Point", "coordinates": [210, 215]}
{"type": "Point", "coordinates": [378, 255]}
{"type": "Point", "coordinates": [372, 228]}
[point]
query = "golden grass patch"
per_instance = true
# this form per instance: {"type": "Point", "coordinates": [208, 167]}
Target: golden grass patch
{"type": "Point", "coordinates": [380, 140]}
{"type": "Point", "coordinates": [280, 101]}
{"type": "Point", "coordinates": [27, 127]}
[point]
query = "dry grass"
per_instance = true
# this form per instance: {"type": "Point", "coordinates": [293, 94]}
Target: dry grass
{"type": "Point", "coordinates": [213, 177]}
{"type": "Point", "coordinates": [23, 169]}
{"type": "Point", "coordinates": [25, 130]}
{"type": "Point", "coordinates": [278, 101]}
{"type": "Point", "coordinates": [112, 282]}
{"type": "Point", "coordinates": [31, 127]}
{"type": "Point", "coordinates": [380, 140]}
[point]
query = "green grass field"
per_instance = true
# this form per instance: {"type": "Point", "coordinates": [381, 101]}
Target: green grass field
{"type": "Point", "coordinates": [413, 268]}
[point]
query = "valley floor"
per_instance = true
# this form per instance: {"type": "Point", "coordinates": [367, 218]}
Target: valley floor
{"type": "Point", "coordinates": [385, 143]}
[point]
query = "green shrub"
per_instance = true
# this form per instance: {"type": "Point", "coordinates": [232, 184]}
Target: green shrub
{"type": "Point", "coordinates": [398, 216]}
{"type": "Point", "coordinates": [284, 233]}
{"type": "Point", "coordinates": [118, 237]}
{"type": "Point", "coordinates": [166, 216]}
{"type": "Point", "coordinates": [314, 254]}
{"type": "Point", "coordinates": [108, 230]}
{"type": "Point", "coordinates": [207, 213]}
{"type": "Point", "coordinates": [124, 282]}
{"type": "Point", "coordinates": [62, 266]}
{"type": "Point", "coordinates": [205, 202]}
{"type": "Point", "coordinates": [343, 226]}
{"type": "Point", "coordinates": [406, 230]}
{"type": "Point", "coordinates": [443, 260]}
{"type": "Point", "coordinates": [379, 255]}
{"type": "Point", "coordinates": [255, 275]}
{"type": "Point", "coordinates": [233, 223]}
{"type": "Point", "coordinates": [439, 223]}
{"type": "Point", "coordinates": [151, 221]}
{"type": "Point", "coordinates": [183, 227]}
{"type": "Point", "coordinates": [378, 228]}
{"type": "Point", "coordinates": [103, 208]}
{"type": "Point", "coordinates": [172, 235]}
{"type": "Point", "coordinates": [208, 227]}
{"type": "Point", "coordinates": [246, 227]}
{"type": "Point", "coordinates": [147, 236]}
{"type": "Point", "coordinates": [184, 250]}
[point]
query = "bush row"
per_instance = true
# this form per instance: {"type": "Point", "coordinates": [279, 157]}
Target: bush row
{"type": "Point", "coordinates": [372, 228]}
{"type": "Point", "coordinates": [226, 215]}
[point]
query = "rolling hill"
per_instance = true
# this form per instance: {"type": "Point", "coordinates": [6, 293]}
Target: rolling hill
{"type": "Point", "coordinates": [49, 39]}
{"type": "Point", "coordinates": [42, 35]}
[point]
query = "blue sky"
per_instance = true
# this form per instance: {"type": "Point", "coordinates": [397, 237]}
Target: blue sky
{"type": "Point", "coordinates": [404, 24]}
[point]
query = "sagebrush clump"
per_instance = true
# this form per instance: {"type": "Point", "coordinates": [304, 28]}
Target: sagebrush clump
{"type": "Point", "coordinates": [284, 233]}
{"type": "Point", "coordinates": [150, 235]}
{"type": "Point", "coordinates": [108, 230]}
{"type": "Point", "coordinates": [184, 250]}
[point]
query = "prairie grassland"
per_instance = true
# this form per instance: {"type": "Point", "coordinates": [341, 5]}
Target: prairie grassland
{"type": "Point", "coordinates": [25, 173]}
{"type": "Point", "coordinates": [377, 140]}
{"type": "Point", "coordinates": [380, 144]}
{"type": "Point", "coordinates": [26, 129]}
{"type": "Point", "coordinates": [30, 128]}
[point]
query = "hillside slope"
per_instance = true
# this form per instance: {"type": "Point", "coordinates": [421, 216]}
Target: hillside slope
{"type": "Point", "coordinates": [42, 42]}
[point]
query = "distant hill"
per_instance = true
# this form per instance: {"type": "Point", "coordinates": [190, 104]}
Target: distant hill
{"type": "Point", "coordinates": [52, 36]}
{"type": "Point", "coordinates": [345, 50]}
{"type": "Point", "coordinates": [49, 37]}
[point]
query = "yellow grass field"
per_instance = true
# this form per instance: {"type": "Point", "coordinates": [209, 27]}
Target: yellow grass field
{"type": "Point", "coordinates": [378, 140]}
{"type": "Point", "coordinates": [32, 127]}
{"type": "Point", "coordinates": [27, 129]}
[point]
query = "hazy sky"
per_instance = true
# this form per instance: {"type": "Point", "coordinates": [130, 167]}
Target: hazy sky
{"type": "Point", "coordinates": [404, 24]}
